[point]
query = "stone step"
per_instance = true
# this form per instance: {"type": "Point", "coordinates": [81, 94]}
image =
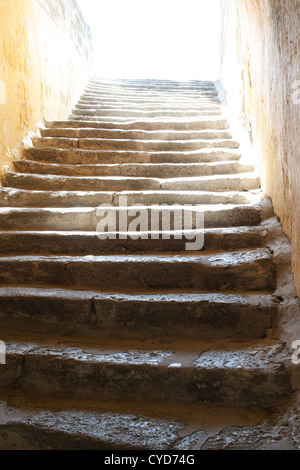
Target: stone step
{"type": "Point", "coordinates": [89, 243]}
{"type": "Point", "coordinates": [170, 88]}
{"type": "Point", "coordinates": [121, 134]}
{"type": "Point", "coordinates": [148, 82]}
{"type": "Point", "coordinates": [148, 371]}
{"type": "Point", "coordinates": [149, 170]}
{"type": "Point", "coordinates": [87, 218]}
{"type": "Point", "coordinates": [148, 89]}
{"type": "Point", "coordinates": [197, 112]}
{"type": "Point", "coordinates": [12, 197]}
{"type": "Point", "coordinates": [40, 423]}
{"type": "Point", "coordinates": [112, 113]}
{"type": "Point", "coordinates": [159, 97]}
{"type": "Point", "coordinates": [147, 125]}
{"type": "Point", "coordinates": [41, 427]}
{"type": "Point", "coordinates": [84, 314]}
{"type": "Point", "coordinates": [138, 145]}
{"type": "Point", "coordinates": [109, 100]}
{"type": "Point", "coordinates": [218, 183]}
{"type": "Point", "coordinates": [155, 117]}
{"type": "Point", "coordinates": [83, 156]}
{"type": "Point", "coordinates": [199, 105]}
{"type": "Point", "coordinates": [251, 270]}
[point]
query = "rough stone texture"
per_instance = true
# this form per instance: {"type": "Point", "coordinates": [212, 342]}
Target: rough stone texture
{"type": "Point", "coordinates": [281, 432]}
{"type": "Point", "coordinates": [45, 63]}
{"type": "Point", "coordinates": [90, 320]}
{"type": "Point", "coordinates": [261, 59]}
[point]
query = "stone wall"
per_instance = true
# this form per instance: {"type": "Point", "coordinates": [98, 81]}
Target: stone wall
{"type": "Point", "coordinates": [260, 74]}
{"type": "Point", "coordinates": [45, 61]}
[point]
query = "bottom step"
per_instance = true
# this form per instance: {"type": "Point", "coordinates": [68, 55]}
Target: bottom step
{"type": "Point", "coordinates": [31, 424]}
{"type": "Point", "coordinates": [240, 374]}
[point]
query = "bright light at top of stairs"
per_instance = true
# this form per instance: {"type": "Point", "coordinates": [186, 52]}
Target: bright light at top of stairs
{"type": "Point", "coordinates": [159, 39]}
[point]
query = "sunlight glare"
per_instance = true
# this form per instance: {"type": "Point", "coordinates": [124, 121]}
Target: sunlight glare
{"type": "Point", "coordinates": [177, 39]}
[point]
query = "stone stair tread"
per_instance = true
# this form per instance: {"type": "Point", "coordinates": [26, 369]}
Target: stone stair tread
{"type": "Point", "coordinates": [136, 134]}
{"type": "Point", "coordinates": [67, 424]}
{"type": "Point", "coordinates": [98, 314]}
{"type": "Point", "coordinates": [83, 156]}
{"type": "Point", "coordinates": [217, 256]}
{"type": "Point", "coordinates": [253, 270]}
{"type": "Point", "coordinates": [17, 198]}
{"type": "Point", "coordinates": [163, 352]}
{"type": "Point", "coordinates": [51, 177]}
{"type": "Point", "coordinates": [250, 298]}
{"type": "Point", "coordinates": [212, 183]}
{"type": "Point", "coordinates": [148, 370]}
{"type": "Point", "coordinates": [133, 144]}
{"type": "Point", "coordinates": [131, 169]}
{"type": "Point", "coordinates": [141, 124]}
{"type": "Point", "coordinates": [64, 242]}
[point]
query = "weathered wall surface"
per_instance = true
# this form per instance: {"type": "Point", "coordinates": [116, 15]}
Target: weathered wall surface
{"type": "Point", "coordinates": [260, 74]}
{"type": "Point", "coordinates": [45, 61]}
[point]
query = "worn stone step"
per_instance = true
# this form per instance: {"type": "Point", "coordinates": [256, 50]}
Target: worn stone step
{"type": "Point", "coordinates": [43, 423]}
{"type": "Point", "coordinates": [199, 105]}
{"type": "Point", "coordinates": [89, 243]}
{"type": "Point", "coordinates": [148, 90]}
{"type": "Point", "coordinates": [141, 89]}
{"type": "Point", "coordinates": [88, 218]}
{"type": "Point", "coordinates": [219, 183]}
{"type": "Point", "coordinates": [251, 270]}
{"type": "Point", "coordinates": [169, 83]}
{"type": "Point", "coordinates": [159, 100]}
{"type": "Point", "coordinates": [149, 170]}
{"type": "Point", "coordinates": [120, 134]}
{"type": "Point", "coordinates": [12, 197]}
{"type": "Point", "coordinates": [109, 100]}
{"type": "Point", "coordinates": [170, 88]}
{"type": "Point", "coordinates": [66, 183]}
{"type": "Point", "coordinates": [83, 156]}
{"type": "Point", "coordinates": [152, 372]}
{"type": "Point", "coordinates": [154, 117]}
{"type": "Point", "coordinates": [148, 125]}
{"type": "Point", "coordinates": [204, 111]}
{"type": "Point", "coordinates": [96, 315]}
{"type": "Point", "coordinates": [140, 145]}
{"type": "Point", "coordinates": [41, 427]}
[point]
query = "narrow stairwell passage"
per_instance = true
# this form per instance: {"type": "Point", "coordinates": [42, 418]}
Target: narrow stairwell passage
{"type": "Point", "coordinates": [126, 342]}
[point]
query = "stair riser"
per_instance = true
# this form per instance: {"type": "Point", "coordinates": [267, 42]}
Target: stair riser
{"type": "Point", "coordinates": [23, 198]}
{"type": "Point", "coordinates": [67, 243]}
{"type": "Point", "coordinates": [163, 93]}
{"type": "Point", "coordinates": [110, 274]}
{"type": "Point", "coordinates": [138, 145]}
{"type": "Point", "coordinates": [149, 125]}
{"type": "Point", "coordinates": [87, 220]}
{"type": "Point", "coordinates": [134, 135]}
{"type": "Point", "coordinates": [148, 92]}
{"type": "Point", "coordinates": [53, 375]}
{"type": "Point", "coordinates": [209, 111]}
{"type": "Point", "coordinates": [104, 317]}
{"type": "Point", "coordinates": [110, 101]}
{"type": "Point", "coordinates": [200, 105]}
{"type": "Point", "coordinates": [142, 170]}
{"type": "Point", "coordinates": [78, 157]}
{"type": "Point", "coordinates": [60, 183]}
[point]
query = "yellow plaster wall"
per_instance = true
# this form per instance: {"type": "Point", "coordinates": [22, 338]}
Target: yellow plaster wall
{"type": "Point", "coordinates": [45, 61]}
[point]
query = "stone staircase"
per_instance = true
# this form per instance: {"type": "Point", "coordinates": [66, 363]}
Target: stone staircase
{"type": "Point", "coordinates": [130, 342]}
